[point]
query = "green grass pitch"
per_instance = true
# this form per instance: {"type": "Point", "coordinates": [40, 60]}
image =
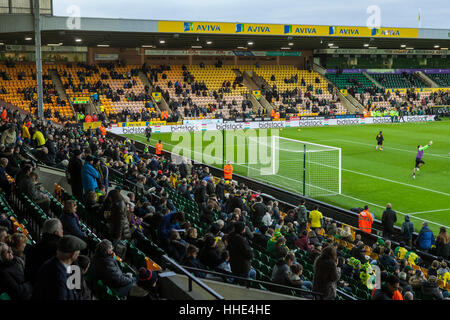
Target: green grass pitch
{"type": "Point", "coordinates": [369, 176]}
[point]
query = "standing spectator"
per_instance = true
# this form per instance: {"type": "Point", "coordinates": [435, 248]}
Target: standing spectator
{"type": "Point", "coordinates": [386, 292]}
{"type": "Point", "coordinates": [388, 220]}
{"type": "Point", "coordinates": [119, 223]}
{"type": "Point", "coordinates": [302, 216]}
{"type": "Point", "coordinates": [326, 273]}
{"type": "Point", "coordinates": [240, 252]}
{"type": "Point", "coordinates": [89, 175]}
{"type": "Point", "coordinates": [425, 239]}
{"type": "Point", "coordinates": [316, 218]}
{"type": "Point", "coordinates": [12, 278]}
{"type": "Point", "coordinates": [52, 278]}
{"type": "Point", "coordinates": [443, 244]}
{"type": "Point", "coordinates": [74, 174]}
{"type": "Point", "coordinates": [407, 231]}
{"type": "Point", "coordinates": [43, 250]}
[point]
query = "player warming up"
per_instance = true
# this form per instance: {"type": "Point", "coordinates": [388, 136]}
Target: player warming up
{"type": "Point", "coordinates": [380, 140]}
{"type": "Point", "coordinates": [419, 161]}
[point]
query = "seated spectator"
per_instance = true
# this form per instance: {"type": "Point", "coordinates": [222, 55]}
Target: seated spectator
{"type": "Point", "coordinates": [12, 277]}
{"type": "Point", "coordinates": [433, 269]}
{"type": "Point", "coordinates": [148, 280]}
{"type": "Point", "coordinates": [358, 252]}
{"type": "Point", "coordinates": [177, 246]}
{"type": "Point", "coordinates": [387, 290]}
{"type": "Point", "coordinates": [192, 236]}
{"type": "Point", "coordinates": [106, 268]}
{"type": "Point", "coordinates": [404, 284]}
{"type": "Point", "coordinates": [387, 260]}
{"type": "Point", "coordinates": [303, 241]}
{"type": "Point", "coordinates": [297, 279]}
{"type": "Point", "coordinates": [430, 289]}
{"type": "Point", "coordinates": [30, 186]}
{"type": "Point", "coordinates": [331, 229]}
{"type": "Point", "coordinates": [281, 249]}
{"type": "Point", "coordinates": [70, 220]}
{"type": "Point", "coordinates": [17, 243]}
{"type": "Point", "coordinates": [52, 278]}
{"type": "Point", "coordinates": [282, 270]}
{"type": "Point", "coordinates": [191, 261]}
{"type": "Point", "coordinates": [84, 293]}
{"type": "Point", "coordinates": [416, 281]}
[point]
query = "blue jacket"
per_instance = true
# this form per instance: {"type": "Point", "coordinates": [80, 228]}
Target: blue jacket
{"type": "Point", "coordinates": [51, 282]}
{"type": "Point", "coordinates": [71, 225]}
{"type": "Point", "coordinates": [425, 238]}
{"type": "Point", "coordinates": [166, 226]}
{"type": "Point", "coordinates": [89, 177]}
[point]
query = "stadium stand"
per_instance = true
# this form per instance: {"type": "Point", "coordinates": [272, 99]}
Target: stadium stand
{"type": "Point", "coordinates": [158, 196]}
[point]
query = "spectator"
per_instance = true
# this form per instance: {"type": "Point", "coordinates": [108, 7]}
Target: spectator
{"type": "Point", "coordinates": [44, 250]}
{"type": "Point", "coordinates": [240, 252]}
{"type": "Point", "coordinates": [443, 244]}
{"type": "Point", "coordinates": [404, 285]}
{"type": "Point", "coordinates": [388, 220]}
{"type": "Point", "coordinates": [387, 260]}
{"type": "Point", "coordinates": [416, 281]}
{"type": "Point", "coordinates": [89, 175]}
{"type": "Point", "coordinates": [209, 255]}
{"type": "Point", "coordinates": [303, 241]}
{"type": "Point", "coordinates": [407, 231]}
{"type": "Point", "coordinates": [430, 289]}
{"type": "Point", "coordinates": [297, 279]}
{"type": "Point", "coordinates": [387, 290]}
{"type": "Point", "coordinates": [433, 269]}
{"type": "Point", "coordinates": [118, 220]}
{"type": "Point", "coordinates": [326, 273]}
{"type": "Point", "coordinates": [282, 271]}
{"type": "Point", "coordinates": [191, 261]}
{"type": "Point", "coordinates": [302, 216]}
{"type": "Point", "coordinates": [8, 136]}
{"type": "Point", "coordinates": [281, 249]}
{"type": "Point", "coordinates": [425, 239]}
{"type": "Point", "coordinates": [17, 243]}
{"type": "Point", "coordinates": [12, 278]}
{"type": "Point", "coordinates": [70, 220]}
{"type": "Point", "coordinates": [331, 229]}
{"type": "Point", "coordinates": [74, 174]}
{"type": "Point", "coordinates": [52, 278]}
{"type": "Point", "coordinates": [105, 267]}
{"type": "Point", "coordinates": [316, 218]}
{"type": "Point", "coordinates": [84, 293]}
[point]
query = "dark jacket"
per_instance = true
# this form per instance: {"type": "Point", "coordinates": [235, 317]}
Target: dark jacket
{"type": "Point", "coordinates": [12, 281]}
{"type": "Point", "coordinates": [51, 282]}
{"type": "Point", "coordinates": [38, 254]}
{"type": "Point", "coordinates": [382, 294]}
{"type": "Point", "coordinates": [388, 261]}
{"type": "Point", "coordinates": [210, 257]}
{"type": "Point", "coordinates": [120, 226]}
{"type": "Point", "coordinates": [74, 170]}
{"type": "Point", "coordinates": [388, 220]}
{"type": "Point", "coordinates": [107, 269]}
{"type": "Point", "coordinates": [258, 212]}
{"type": "Point", "coordinates": [240, 254]}
{"type": "Point", "coordinates": [325, 279]}
{"type": "Point", "coordinates": [71, 225]}
{"type": "Point", "coordinates": [431, 291]}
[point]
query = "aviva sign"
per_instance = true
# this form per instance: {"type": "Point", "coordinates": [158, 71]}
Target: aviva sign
{"type": "Point", "coordinates": [201, 27]}
{"type": "Point", "coordinates": [253, 28]}
{"type": "Point", "coordinates": [284, 29]}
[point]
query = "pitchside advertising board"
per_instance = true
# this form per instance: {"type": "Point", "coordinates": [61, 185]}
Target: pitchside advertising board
{"type": "Point", "coordinates": [199, 125]}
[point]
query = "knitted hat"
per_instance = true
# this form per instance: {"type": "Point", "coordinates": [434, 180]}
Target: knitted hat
{"type": "Point", "coordinates": [147, 275]}
{"type": "Point", "coordinates": [380, 241]}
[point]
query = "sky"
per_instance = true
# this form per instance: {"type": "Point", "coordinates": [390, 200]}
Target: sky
{"type": "Point", "coordinates": [392, 13]}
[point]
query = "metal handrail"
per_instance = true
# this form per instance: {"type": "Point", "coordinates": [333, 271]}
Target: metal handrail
{"type": "Point", "coordinates": [193, 278]}
{"type": "Point", "coordinates": [249, 280]}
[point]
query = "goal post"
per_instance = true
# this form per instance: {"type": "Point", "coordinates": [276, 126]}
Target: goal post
{"type": "Point", "coordinates": [302, 167]}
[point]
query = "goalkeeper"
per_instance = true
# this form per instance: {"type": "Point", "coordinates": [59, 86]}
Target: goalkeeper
{"type": "Point", "coordinates": [419, 161]}
{"type": "Point", "coordinates": [380, 140]}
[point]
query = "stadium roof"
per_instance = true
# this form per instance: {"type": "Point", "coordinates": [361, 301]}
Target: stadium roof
{"type": "Point", "coordinates": [130, 33]}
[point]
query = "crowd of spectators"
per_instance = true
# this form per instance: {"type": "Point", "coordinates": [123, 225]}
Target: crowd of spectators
{"type": "Point", "coordinates": [238, 222]}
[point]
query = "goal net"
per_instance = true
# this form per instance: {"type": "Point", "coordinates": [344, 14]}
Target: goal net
{"type": "Point", "coordinates": [302, 167]}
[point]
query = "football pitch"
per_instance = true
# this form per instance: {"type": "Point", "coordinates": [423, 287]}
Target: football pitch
{"type": "Point", "coordinates": [368, 176]}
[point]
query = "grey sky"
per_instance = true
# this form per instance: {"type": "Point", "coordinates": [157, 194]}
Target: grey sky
{"type": "Point", "coordinates": [394, 13]}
